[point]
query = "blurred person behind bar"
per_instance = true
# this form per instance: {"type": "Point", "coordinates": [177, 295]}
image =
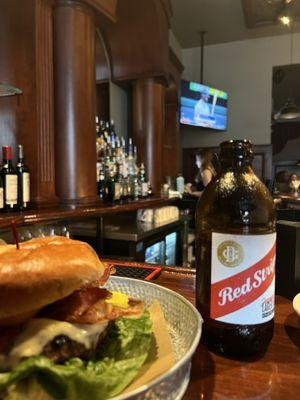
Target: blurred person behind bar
{"type": "Point", "coordinates": [206, 172]}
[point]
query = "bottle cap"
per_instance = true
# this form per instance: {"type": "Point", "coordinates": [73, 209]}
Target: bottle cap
{"type": "Point", "coordinates": [6, 151]}
{"type": "Point", "coordinates": [20, 151]}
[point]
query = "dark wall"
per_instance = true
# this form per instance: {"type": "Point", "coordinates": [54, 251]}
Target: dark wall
{"type": "Point", "coordinates": [286, 135]}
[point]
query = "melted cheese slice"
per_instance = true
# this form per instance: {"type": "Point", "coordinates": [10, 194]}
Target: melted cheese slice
{"type": "Point", "coordinates": [40, 331]}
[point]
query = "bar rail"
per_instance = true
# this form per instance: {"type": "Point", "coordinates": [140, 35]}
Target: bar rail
{"type": "Point", "coordinates": [41, 215]}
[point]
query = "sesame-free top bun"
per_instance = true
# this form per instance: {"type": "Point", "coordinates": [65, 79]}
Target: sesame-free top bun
{"type": "Point", "coordinates": [41, 272]}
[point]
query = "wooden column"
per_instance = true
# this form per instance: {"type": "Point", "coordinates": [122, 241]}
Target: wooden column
{"type": "Point", "coordinates": [171, 138]}
{"type": "Point", "coordinates": [148, 125]}
{"type": "Point", "coordinates": [74, 77]}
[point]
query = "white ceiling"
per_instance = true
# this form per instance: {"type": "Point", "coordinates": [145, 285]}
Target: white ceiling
{"type": "Point", "coordinates": [223, 20]}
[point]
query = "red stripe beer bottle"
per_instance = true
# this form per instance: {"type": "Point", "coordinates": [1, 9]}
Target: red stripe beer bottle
{"type": "Point", "coordinates": [235, 256]}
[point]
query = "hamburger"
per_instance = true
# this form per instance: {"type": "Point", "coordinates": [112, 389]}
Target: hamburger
{"type": "Point", "coordinates": [61, 332]}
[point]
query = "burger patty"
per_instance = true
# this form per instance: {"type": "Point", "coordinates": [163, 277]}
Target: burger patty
{"type": "Point", "coordinates": [62, 348]}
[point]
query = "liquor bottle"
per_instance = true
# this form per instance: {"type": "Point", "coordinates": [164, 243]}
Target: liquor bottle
{"type": "Point", "coordinates": [97, 126]}
{"type": "Point", "coordinates": [118, 184]}
{"type": "Point", "coordinates": [101, 182]}
{"type": "Point", "coordinates": [10, 181]}
{"type": "Point", "coordinates": [106, 131]}
{"type": "Point", "coordinates": [135, 159]}
{"type": "Point", "coordinates": [118, 150]}
{"type": "Point", "coordinates": [131, 171]}
{"type": "Point", "coordinates": [23, 181]}
{"type": "Point", "coordinates": [1, 195]}
{"type": "Point", "coordinates": [113, 188]}
{"type": "Point", "coordinates": [143, 182]}
{"type": "Point", "coordinates": [110, 187]}
{"type": "Point", "coordinates": [180, 183]}
{"type": "Point", "coordinates": [112, 129]}
{"type": "Point", "coordinates": [235, 256]}
{"type": "Point", "coordinates": [134, 187]}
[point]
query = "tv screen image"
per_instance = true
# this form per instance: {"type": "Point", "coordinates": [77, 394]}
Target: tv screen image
{"type": "Point", "coordinates": [202, 105]}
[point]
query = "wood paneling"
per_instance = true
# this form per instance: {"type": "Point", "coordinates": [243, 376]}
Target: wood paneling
{"type": "Point", "coordinates": [105, 7]}
{"type": "Point", "coordinates": [171, 137]}
{"type": "Point", "coordinates": [138, 43]}
{"type": "Point", "coordinates": [262, 163]}
{"type": "Point", "coordinates": [102, 101]}
{"type": "Point", "coordinates": [103, 70]}
{"type": "Point", "coordinates": [44, 100]}
{"type": "Point", "coordinates": [26, 62]}
{"type": "Point", "coordinates": [74, 67]}
{"type": "Point", "coordinates": [148, 124]}
{"type": "Point", "coordinates": [172, 160]}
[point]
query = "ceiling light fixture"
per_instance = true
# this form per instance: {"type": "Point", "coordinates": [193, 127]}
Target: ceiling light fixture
{"type": "Point", "coordinates": [285, 20]}
{"type": "Point", "coordinates": [290, 110]}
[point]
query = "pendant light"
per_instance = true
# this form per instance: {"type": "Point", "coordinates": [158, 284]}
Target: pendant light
{"type": "Point", "coordinates": [290, 110]}
{"type": "Point", "coordinates": [201, 34]}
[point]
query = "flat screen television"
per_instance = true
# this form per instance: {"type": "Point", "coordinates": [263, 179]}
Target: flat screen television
{"type": "Point", "coordinates": [201, 105]}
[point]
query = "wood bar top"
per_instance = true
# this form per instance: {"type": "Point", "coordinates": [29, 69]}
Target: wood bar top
{"type": "Point", "coordinates": [274, 376]}
{"type": "Point", "coordinates": [41, 215]}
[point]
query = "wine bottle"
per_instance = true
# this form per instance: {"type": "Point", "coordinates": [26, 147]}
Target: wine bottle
{"type": "Point", "coordinates": [110, 187]}
{"type": "Point", "coordinates": [23, 181]}
{"type": "Point", "coordinates": [10, 181]}
{"type": "Point", "coordinates": [1, 195]}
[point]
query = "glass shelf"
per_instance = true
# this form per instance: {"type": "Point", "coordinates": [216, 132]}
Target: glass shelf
{"type": "Point", "coordinates": [8, 90]}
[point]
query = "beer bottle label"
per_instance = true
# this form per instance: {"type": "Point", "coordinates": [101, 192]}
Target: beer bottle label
{"type": "Point", "coordinates": [242, 278]}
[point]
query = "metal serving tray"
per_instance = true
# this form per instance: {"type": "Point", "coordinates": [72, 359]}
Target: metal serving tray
{"type": "Point", "coordinates": [184, 324]}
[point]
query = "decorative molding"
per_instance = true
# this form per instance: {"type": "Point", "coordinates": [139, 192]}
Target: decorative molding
{"type": "Point", "coordinates": [105, 7]}
{"type": "Point", "coordinates": [76, 4]}
{"type": "Point", "coordinates": [44, 90]}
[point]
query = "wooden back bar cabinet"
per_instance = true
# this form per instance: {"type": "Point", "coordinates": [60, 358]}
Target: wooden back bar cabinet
{"type": "Point", "coordinates": [49, 52]}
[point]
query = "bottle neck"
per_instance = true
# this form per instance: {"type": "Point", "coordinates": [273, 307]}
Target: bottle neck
{"type": "Point", "coordinates": [236, 164]}
{"type": "Point", "coordinates": [20, 154]}
{"type": "Point", "coordinates": [236, 154]}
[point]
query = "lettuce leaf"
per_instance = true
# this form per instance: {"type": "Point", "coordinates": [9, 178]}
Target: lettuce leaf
{"type": "Point", "coordinates": [118, 361]}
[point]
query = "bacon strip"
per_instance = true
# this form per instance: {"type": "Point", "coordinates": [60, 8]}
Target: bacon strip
{"type": "Point", "coordinates": [103, 311]}
{"type": "Point", "coordinates": [105, 276]}
{"type": "Point", "coordinates": [88, 306]}
{"type": "Point", "coordinates": [72, 307]}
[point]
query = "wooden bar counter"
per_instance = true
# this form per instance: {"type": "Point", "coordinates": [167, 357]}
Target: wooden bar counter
{"type": "Point", "coordinates": [274, 376]}
{"type": "Point", "coordinates": [41, 215]}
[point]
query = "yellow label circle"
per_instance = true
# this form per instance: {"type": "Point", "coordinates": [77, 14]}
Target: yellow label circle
{"type": "Point", "coordinates": [230, 253]}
